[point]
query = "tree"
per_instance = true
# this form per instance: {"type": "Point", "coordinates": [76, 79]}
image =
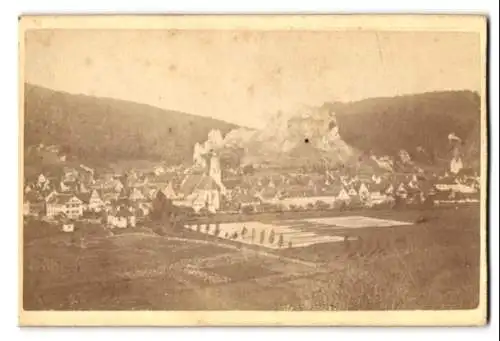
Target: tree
{"type": "Point", "coordinates": [162, 207]}
{"type": "Point", "coordinates": [272, 236]}
{"type": "Point", "coordinates": [281, 241]}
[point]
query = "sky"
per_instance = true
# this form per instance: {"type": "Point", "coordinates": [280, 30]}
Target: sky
{"type": "Point", "coordinates": [245, 76]}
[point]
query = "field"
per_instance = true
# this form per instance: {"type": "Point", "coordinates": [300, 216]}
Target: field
{"type": "Point", "coordinates": [430, 263]}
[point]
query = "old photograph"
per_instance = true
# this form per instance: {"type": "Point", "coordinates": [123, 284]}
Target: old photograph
{"type": "Point", "coordinates": [253, 165]}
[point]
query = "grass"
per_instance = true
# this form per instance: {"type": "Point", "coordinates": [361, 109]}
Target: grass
{"type": "Point", "coordinates": [431, 265]}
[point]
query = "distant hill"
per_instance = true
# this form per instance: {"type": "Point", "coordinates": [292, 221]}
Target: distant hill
{"type": "Point", "coordinates": [103, 129]}
{"type": "Point", "coordinates": [385, 125]}
{"type": "Point", "coordinates": [341, 133]}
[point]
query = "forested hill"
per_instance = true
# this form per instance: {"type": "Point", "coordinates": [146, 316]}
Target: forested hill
{"type": "Point", "coordinates": [92, 128]}
{"type": "Point", "coordinates": [385, 125]}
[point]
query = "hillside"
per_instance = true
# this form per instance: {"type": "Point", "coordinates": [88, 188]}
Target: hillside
{"type": "Point", "coordinates": [103, 129]}
{"type": "Point", "coordinates": [385, 125]}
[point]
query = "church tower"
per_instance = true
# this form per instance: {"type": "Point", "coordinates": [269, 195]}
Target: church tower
{"type": "Point", "coordinates": [214, 170]}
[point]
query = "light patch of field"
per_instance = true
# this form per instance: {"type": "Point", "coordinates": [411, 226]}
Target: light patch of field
{"type": "Point", "coordinates": [356, 222]}
{"type": "Point", "coordinates": [257, 233]}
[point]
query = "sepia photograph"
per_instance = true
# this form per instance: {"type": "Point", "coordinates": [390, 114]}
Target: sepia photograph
{"type": "Point", "coordinates": [253, 170]}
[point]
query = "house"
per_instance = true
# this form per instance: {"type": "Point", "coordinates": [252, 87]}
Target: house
{"type": "Point", "coordinates": [446, 183]}
{"type": "Point", "coordinates": [68, 204]}
{"type": "Point", "coordinates": [363, 192]}
{"type": "Point", "coordinates": [402, 191]}
{"type": "Point", "coordinates": [96, 203]}
{"type": "Point", "coordinates": [206, 194]}
{"type": "Point", "coordinates": [343, 195]}
{"type": "Point", "coordinates": [389, 190]}
{"type": "Point", "coordinates": [136, 195]}
{"type": "Point", "coordinates": [159, 170]}
{"type": "Point", "coordinates": [33, 203]}
{"type": "Point", "coordinates": [70, 174]}
{"type": "Point", "coordinates": [143, 209]}
{"type": "Point", "coordinates": [121, 218]}
{"type": "Point", "coordinates": [267, 194]}
{"type": "Point", "coordinates": [246, 199]}
{"type": "Point", "coordinates": [85, 198]}
{"type": "Point", "coordinates": [352, 192]}
{"type": "Point", "coordinates": [41, 179]}
{"type": "Point", "coordinates": [26, 207]}
{"type": "Point", "coordinates": [377, 193]}
{"type": "Point", "coordinates": [413, 183]}
{"type": "Point", "coordinates": [68, 227]}
{"type": "Point", "coordinates": [456, 165]}
{"type": "Point", "coordinates": [169, 191]}
{"type": "Point", "coordinates": [201, 190]}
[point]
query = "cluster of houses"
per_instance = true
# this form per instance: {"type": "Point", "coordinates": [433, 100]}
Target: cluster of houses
{"type": "Point", "coordinates": [358, 190]}
{"type": "Point", "coordinates": [120, 200]}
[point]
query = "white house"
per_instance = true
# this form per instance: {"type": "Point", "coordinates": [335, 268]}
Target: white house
{"type": "Point", "coordinates": [352, 192]}
{"type": "Point", "coordinates": [363, 192]}
{"type": "Point", "coordinates": [456, 165]}
{"type": "Point", "coordinates": [402, 191]}
{"type": "Point", "coordinates": [136, 194]}
{"type": "Point", "coordinates": [67, 204]}
{"type": "Point", "coordinates": [169, 191]}
{"type": "Point", "coordinates": [343, 195]}
{"type": "Point", "coordinates": [41, 179]}
{"type": "Point", "coordinates": [95, 202]}
{"type": "Point", "coordinates": [159, 170]}
{"type": "Point", "coordinates": [68, 227]}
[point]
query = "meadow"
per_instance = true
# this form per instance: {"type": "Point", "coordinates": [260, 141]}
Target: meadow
{"type": "Point", "coordinates": [430, 264]}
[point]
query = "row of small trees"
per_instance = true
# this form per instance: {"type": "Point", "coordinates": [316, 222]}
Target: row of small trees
{"type": "Point", "coordinates": [261, 238]}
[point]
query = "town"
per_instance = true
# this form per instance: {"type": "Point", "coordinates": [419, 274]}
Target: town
{"type": "Point", "coordinates": [121, 200]}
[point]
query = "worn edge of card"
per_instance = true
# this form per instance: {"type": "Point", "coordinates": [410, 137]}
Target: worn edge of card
{"type": "Point", "coordinates": [457, 23]}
